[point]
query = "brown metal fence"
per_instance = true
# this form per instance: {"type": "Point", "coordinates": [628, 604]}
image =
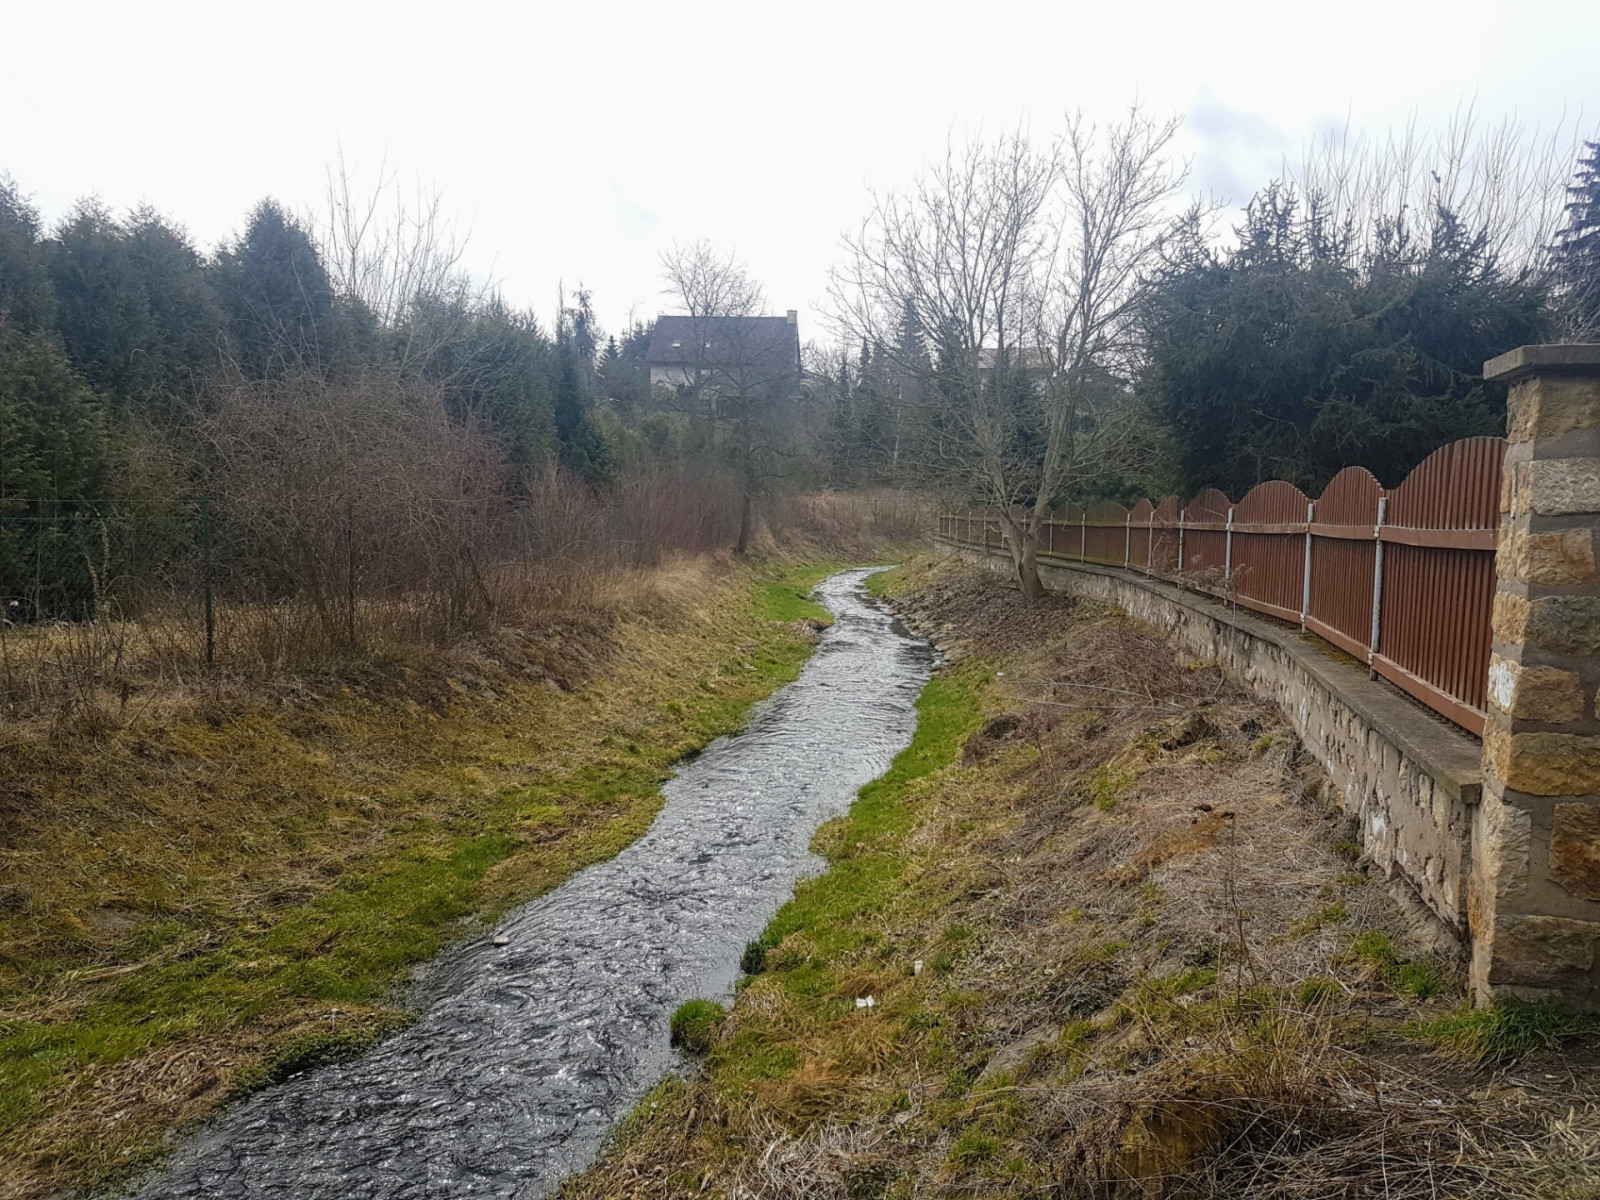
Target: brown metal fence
{"type": "Point", "coordinates": [1400, 578]}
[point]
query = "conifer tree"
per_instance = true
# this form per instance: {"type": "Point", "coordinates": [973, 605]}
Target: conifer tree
{"type": "Point", "coordinates": [1577, 249]}
{"type": "Point", "coordinates": [26, 299]}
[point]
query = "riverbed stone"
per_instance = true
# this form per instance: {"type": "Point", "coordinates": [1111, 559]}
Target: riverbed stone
{"type": "Point", "coordinates": [1575, 849]}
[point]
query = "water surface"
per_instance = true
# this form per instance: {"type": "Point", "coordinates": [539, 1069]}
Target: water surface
{"type": "Point", "coordinates": [526, 1053]}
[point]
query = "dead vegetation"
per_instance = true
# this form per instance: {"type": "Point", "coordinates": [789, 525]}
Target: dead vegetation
{"type": "Point", "coordinates": [1119, 945]}
{"type": "Point", "coordinates": [227, 882]}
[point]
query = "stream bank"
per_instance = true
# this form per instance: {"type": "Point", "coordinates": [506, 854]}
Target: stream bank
{"type": "Point", "coordinates": [1118, 943]}
{"type": "Point", "coordinates": [235, 880]}
{"type": "Point", "coordinates": [533, 1040]}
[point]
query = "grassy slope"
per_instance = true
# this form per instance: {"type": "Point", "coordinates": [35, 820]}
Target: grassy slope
{"type": "Point", "coordinates": [1093, 1013]}
{"type": "Point", "coordinates": [213, 904]}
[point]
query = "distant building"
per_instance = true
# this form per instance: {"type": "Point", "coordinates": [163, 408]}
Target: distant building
{"type": "Point", "coordinates": [724, 352]}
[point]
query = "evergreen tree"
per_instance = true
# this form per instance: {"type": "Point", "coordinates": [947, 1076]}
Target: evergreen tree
{"type": "Point", "coordinates": [134, 307]}
{"type": "Point", "coordinates": [498, 368]}
{"type": "Point", "coordinates": [1576, 253]}
{"type": "Point", "coordinates": [278, 298]}
{"type": "Point", "coordinates": [26, 299]}
{"type": "Point", "coordinates": [53, 442]}
{"type": "Point", "coordinates": [624, 373]}
{"type": "Point", "coordinates": [578, 442]}
{"type": "Point", "coordinates": [1291, 354]}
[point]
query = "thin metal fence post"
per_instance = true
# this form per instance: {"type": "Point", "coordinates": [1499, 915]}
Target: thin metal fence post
{"type": "Point", "coordinates": [1183, 514]}
{"type": "Point", "coordinates": [205, 557]}
{"type": "Point", "coordinates": [1377, 577]}
{"type": "Point", "coordinates": [350, 571]}
{"type": "Point", "coordinates": [1227, 554]}
{"type": "Point", "coordinates": [1127, 539]}
{"type": "Point", "coordinates": [1305, 585]}
{"type": "Point", "coordinates": [1083, 534]}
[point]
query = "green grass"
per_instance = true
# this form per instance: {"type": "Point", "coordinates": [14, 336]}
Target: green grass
{"type": "Point", "coordinates": [695, 1023]}
{"type": "Point", "coordinates": [863, 846]}
{"type": "Point", "coordinates": [788, 598]}
{"type": "Point", "coordinates": [1317, 991]}
{"type": "Point", "coordinates": [349, 947]}
{"type": "Point", "coordinates": [882, 584]}
{"type": "Point", "coordinates": [1507, 1031]}
{"type": "Point", "coordinates": [1106, 786]}
{"type": "Point", "coordinates": [1416, 978]}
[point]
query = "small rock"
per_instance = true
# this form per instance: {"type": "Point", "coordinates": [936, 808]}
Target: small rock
{"type": "Point", "coordinates": [501, 939]}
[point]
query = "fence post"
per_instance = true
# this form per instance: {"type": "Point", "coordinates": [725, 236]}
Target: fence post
{"type": "Point", "coordinates": [1227, 554]}
{"type": "Point", "coordinates": [1150, 544]}
{"type": "Point", "coordinates": [1127, 539]}
{"type": "Point", "coordinates": [1182, 515]}
{"type": "Point", "coordinates": [350, 571]}
{"type": "Point", "coordinates": [205, 560]}
{"type": "Point", "coordinates": [1083, 533]}
{"type": "Point", "coordinates": [1377, 583]}
{"type": "Point", "coordinates": [1534, 893]}
{"type": "Point", "coordinates": [1305, 583]}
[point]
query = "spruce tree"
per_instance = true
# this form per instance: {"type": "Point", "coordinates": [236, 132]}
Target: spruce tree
{"type": "Point", "coordinates": [278, 296]}
{"type": "Point", "coordinates": [1577, 249]}
{"type": "Point", "coordinates": [26, 299]}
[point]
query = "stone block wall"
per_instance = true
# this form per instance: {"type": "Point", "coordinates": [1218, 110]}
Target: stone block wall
{"type": "Point", "coordinates": [1534, 892]}
{"type": "Point", "coordinates": [1499, 840]}
{"type": "Point", "coordinates": [1410, 780]}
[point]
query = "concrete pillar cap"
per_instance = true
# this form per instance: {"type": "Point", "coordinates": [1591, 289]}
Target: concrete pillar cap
{"type": "Point", "coordinates": [1558, 358]}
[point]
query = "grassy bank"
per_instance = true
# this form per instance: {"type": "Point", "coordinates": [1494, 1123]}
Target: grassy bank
{"type": "Point", "coordinates": [196, 905]}
{"type": "Point", "coordinates": [1117, 942]}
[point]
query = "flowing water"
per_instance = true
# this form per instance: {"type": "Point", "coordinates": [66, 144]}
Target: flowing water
{"type": "Point", "coordinates": [527, 1052]}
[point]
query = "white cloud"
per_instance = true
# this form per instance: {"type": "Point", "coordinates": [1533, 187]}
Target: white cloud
{"type": "Point", "coordinates": [579, 140]}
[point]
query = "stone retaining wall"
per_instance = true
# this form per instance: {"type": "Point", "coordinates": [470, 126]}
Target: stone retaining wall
{"type": "Point", "coordinates": [1501, 840]}
{"type": "Point", "coordinates": [1409, 778]}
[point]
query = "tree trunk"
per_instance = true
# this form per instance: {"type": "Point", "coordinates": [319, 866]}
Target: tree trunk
{"type": "Point", "coordinates": [1022, 541]}
{"type": "Point", "coordinates": [744, 524]}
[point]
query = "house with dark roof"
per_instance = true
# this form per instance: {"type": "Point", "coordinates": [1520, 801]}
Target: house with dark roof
{"type": "Point", "coordinates": [724, 353]}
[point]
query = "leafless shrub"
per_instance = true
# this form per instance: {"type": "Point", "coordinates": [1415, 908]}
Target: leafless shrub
{"type": "Point", "coordinates": [328, 494]}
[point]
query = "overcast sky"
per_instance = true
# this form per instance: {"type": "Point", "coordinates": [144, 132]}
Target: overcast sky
{"type": "Point", "coordinates": [578, 140]}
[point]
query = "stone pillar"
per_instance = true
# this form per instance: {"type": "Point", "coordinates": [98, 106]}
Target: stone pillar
{"type": "Point", "coordinates": [1534, 890]}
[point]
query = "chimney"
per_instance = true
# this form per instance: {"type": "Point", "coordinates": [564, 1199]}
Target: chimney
{"type": "Point", "coordinates": [794, 316]}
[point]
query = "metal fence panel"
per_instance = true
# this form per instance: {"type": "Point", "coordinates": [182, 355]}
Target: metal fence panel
{"type": "Point", "coordinates": [1401, 579]}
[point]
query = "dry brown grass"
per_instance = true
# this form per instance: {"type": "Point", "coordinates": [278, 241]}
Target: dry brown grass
{"type": "Point", "coordinates": [177, 899]}
{"type": "Point", "coordinates": [1149, 970]}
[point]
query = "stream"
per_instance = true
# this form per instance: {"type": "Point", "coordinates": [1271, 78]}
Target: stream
{"type": "Point", "coordinates": [526, 1053]}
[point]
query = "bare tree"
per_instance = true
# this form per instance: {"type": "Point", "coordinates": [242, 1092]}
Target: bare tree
{"type": "Point", "coordinates": [1021, 269]}
{"type": "Point", "coordinates": [737, 367]}
{"type": "Point", "coordinates": [1502, 181]}
{"type": "Point", "coordinates": [401, 257]}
